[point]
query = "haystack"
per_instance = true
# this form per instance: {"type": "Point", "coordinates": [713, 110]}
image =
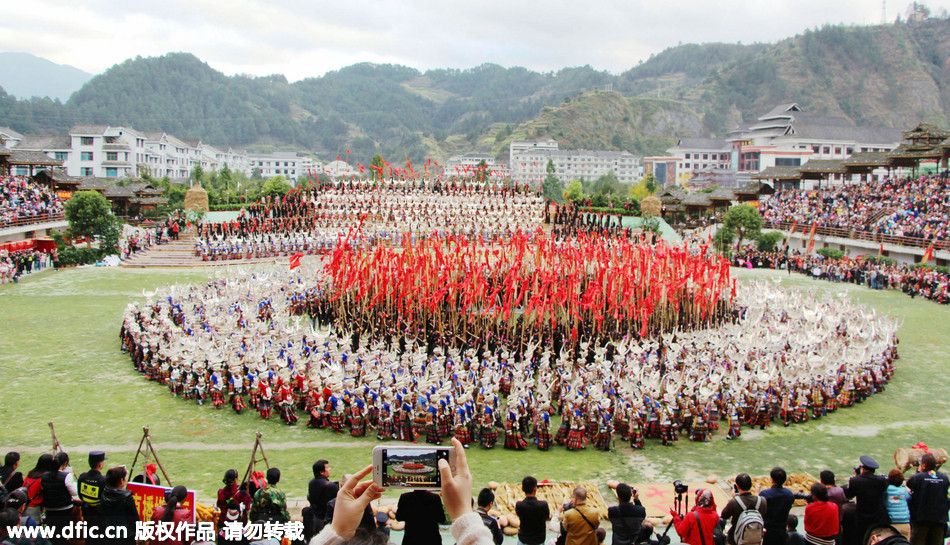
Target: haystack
{"type": "Point", "coordinates": [651, 207]}
{"type": "Point", "coordinates": [196, 199]}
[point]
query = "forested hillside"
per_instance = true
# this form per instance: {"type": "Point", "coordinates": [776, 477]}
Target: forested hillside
{"type": "Point", "coordinates": [893, 75]}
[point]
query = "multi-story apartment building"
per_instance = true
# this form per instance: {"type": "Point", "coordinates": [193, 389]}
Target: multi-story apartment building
{"type": "Point", "coordinates": [283, 163]}
{"type": "Point", "coordinates": [531, 166]}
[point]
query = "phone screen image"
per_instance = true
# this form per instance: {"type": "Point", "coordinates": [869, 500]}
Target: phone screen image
{"type": "Point", "coordinates": [412, 468]}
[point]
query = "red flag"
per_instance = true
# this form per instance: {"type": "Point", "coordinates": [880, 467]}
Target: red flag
{"type": "Point", "coordinates": [811, 238]}
{"type": "Point", "coordinates": [295, 260]}
{"type": "Point", "coordinates": [928, 255]}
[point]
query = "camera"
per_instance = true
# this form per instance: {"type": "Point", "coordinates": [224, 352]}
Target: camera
{"type": "Point", "coordinates": [679, 487]}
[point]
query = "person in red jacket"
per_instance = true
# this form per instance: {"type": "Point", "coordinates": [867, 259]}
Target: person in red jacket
{"type": "Point", "coordinates": [821, 517]}
{"type": "Point", "coordinates": [697, 527]}
{"type": "Point", "coordinates": [170, 512]}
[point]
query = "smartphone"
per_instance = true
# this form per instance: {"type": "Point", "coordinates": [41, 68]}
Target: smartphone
{"type": "Point", "coordinates": [410, 467]}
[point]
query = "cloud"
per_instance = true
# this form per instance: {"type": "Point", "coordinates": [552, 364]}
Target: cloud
{"type": "Point", "coordinates": [301, 39]}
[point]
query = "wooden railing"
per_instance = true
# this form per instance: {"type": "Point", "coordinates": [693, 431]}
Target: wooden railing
{"type": "Point", "coordinates": [854, 234]}
{"type": "Point", "coordinates": [31, 220]}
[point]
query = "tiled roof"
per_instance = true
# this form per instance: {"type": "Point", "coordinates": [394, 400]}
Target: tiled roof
{"type": "Point", "coordinates": [24, 157]}
{"type": "Point", "coordinates": [44, 142]}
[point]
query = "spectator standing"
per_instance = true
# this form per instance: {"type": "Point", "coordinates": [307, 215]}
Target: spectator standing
{"type": "Point", "coordinates": [319, 492]}
{"type": "Point", "coordinates": [928, 503]}
{"type": "Point", "coordinates": [821, 517]}
{"type": "Point", "coordinates": [697, 526]}
{"type": "Point", "coordinates": [626, 518]}
{"type": "Point", "coordinates": [117, 507]}
{"type": "Point", "coordinates": [897, 496]}
{"type": "Point", "coordinates": [581, 520]}
{"type": "Point", "coordinates": [34, 486]}
{"type": "Point", "coordinates": [791, 528]}
{"type": "Point", "coordinates": [233, 502]}
{"type": "Point", "coordinates": [533, 514]}
{"type": "Point", "coordinates": [743, 499]}
{"type": "Point", "coordinates": [835, 493]}
{"type": "Point", "coordinates": [171, 512]}
{"type": "Point", "coordinates": [422, 512]}
{"type": "Point", "coordinates": [485, 500]}
{"type": "Point", "coordinates": [10, 478]}
{"type": "Point", "coordinates": [780, 500]}
{"type": "Point", "coordinates": [91, 484]}
{"type": "Point", "coordinates": [58, 494]}
{"type": "Point", "coordinates": [869, 491]}
{"type": "Point", "coordinates": [270, 502]}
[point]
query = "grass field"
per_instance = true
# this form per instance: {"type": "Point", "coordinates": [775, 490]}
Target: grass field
{"type": "Point", "coordinates": [60, 362]}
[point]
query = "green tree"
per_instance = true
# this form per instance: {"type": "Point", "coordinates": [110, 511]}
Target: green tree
{"type": "Point", "coordinates": [552, 188]}
{"type": "Point", "coordinates": [768, 241]}
{"type": "Point", "coordinates": [378, 166]}
{"type": "Point", "coordinates": [575, 191]}
{"type": "Point", "coordinates": [197, 174]}
{"type": "Point", "coordinates": [89, 215]}
{"type": "Point", "coordinates": [481, 171]}
{"type": "Point", "coordinates": [275, 187]}
{"type": "Point", "coordinates": [650, 182]}
{"type": "Point", "coordinates": [722, 240]}
{"type": "Point", "coordinates": [743, 220]}
{"type": "Point", "coordinates": [640, 190]}
{"type": "Point", "coordinates": [608, 184]}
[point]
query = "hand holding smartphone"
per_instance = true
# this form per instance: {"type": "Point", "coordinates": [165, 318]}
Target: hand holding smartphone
{"type": "Point", "coordinates": [413, 468]}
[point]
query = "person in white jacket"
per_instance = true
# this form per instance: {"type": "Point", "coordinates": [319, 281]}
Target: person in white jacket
{"type": "Point", "coordinates": [354, 496]}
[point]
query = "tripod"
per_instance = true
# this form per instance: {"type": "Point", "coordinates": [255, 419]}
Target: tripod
{"type": "Point", "coordinates": [681, 505]}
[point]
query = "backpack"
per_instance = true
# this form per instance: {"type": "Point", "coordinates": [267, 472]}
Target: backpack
{"type": "Point", "coordinates": [749, 529]}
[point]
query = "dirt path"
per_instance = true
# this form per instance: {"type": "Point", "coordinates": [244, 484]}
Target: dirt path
{"type": "Point", "coordinates": [130, 447]}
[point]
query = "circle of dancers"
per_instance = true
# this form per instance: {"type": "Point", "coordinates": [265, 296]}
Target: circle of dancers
{"type": "Point", "coordinates": [289, 342]}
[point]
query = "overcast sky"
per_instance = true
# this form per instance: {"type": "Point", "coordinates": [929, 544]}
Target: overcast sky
{"type": "Point", "coordinates": [310, 37]}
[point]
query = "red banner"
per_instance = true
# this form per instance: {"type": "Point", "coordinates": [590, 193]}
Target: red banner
{"type": "Point", "coordinates": [64, 195]}
{"type": "Point", "coordinates": [148, 497]}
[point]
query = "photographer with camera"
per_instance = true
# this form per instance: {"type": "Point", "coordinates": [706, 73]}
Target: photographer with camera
{"type": "Point", "coordinates": [745, 512]}
{"type": "Point", "coordinates": [626, 518]}
{"type": "Point", "coordinates": [579, 520]}
{"type": "Point", "coordinates": [698, 525]}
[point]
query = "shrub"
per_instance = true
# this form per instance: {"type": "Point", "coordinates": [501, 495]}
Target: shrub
{"type": "Point", "coordinates": [767, 241]}
{"type": "Point", "coordinates": [831, 253]}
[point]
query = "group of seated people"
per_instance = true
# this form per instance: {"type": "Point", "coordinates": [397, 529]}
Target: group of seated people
{"type": "Point", "coordinates": [914, 207]}
{"type": "Point", "coordinates": [868, 510]}
{"type": "Point", "coordinates": [925, 282]}
{"type": "Point", "coordinates": [21, 199]}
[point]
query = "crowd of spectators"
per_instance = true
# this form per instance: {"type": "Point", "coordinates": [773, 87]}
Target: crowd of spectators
{"type": "Point", "coordinates": [916, 207]}
{"type": "Point", "coordinates": [21, 199]}
{"type": "Point", "coordinates": [867, 510]}
{"type": "Point", "coordinates": [925, 282]}
{"type": "Point", "coordinates": [14, 264]}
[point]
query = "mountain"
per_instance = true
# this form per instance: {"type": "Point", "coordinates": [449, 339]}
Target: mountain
{"type": "Point", "coordinates": [889, 75]}
{"type": "Point", "coordinates": [25, 76]}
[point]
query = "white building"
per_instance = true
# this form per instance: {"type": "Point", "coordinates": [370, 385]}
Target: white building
{"type": "Point", "coordinates": [696, 154]}
{"type": "Point", "coordinates": [10, 137]}
{"type": "Point", "coordinates": [521, 146]}
{"type": "Point", "coordinates": [280, 163]}
{"type": "Point", "coordinates": [531, 166]}
{"type": "Point", "coordinates": [787, 136]}
{"type": "Point", "coordinates": [462, 165]}
{"type": "Point", "coordinates": [104, 151]}
{"type": "Point", "coordinates": [337, 169]}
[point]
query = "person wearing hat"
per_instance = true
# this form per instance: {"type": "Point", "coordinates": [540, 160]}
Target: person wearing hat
{"type": "Point", "coordinates": [91, 484]}
{"type": "Point", "coordinates": [869, 492]}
